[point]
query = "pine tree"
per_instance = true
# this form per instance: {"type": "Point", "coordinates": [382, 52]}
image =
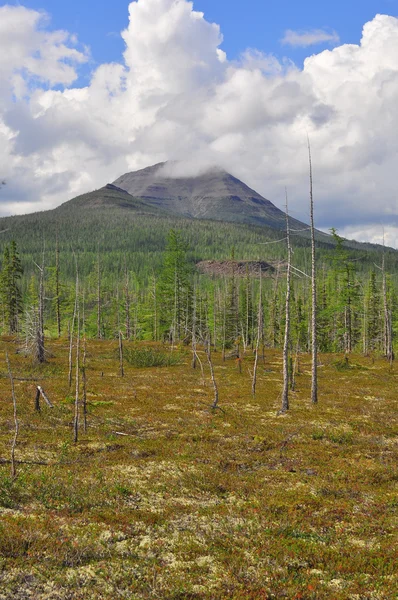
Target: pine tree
{"type": "Point", "coordinates": [9, 287]}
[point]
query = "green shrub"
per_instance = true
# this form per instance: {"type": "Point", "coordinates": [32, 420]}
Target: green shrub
{"type": "Point", "coordinates": [152, 357]}
{"type": "Point", "coordinates": [8, 492]}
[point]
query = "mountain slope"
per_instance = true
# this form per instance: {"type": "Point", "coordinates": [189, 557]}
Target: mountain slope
{"type": "Point", "coordinates": [135, 230]}
{"type": "Point", "coordinates": [107, 197]}
{"type": "Point", "coordinates": [215, 195]}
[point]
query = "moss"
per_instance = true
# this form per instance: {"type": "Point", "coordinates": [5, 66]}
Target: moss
{"type": "Point", "coordinates": [162, 497]}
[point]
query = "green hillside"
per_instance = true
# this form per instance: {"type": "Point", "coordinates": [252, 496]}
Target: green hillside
{"type": "Point", "coordinates": [119, 244]}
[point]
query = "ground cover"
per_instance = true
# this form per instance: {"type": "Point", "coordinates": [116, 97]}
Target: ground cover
{"type": "Point", "coordinates": [240, 503]}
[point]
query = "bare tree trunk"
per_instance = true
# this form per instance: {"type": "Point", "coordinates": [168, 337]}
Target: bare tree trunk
{"type": "Point", "coordinates": [215, 321]}
{"type": "Point", "coordinates": [285, 392]}
{"type": "Point", "coordinates": [364, 333]}
{"type": "Point", "coordinates": [155, 311]}
{"type": "Point", "coordinates": [213, 379]}
{"type": "Point", "coordinates": [57, 289]}
{"type": "Point", "coordinates": [37, 401]}
{"type": "Point", "coordinates": [77, 368]}
{"type": "Point", "coordinates": [84, 377]}
{"type": "Point", "coordinates": [16, 423]}
{"type": "Point", "coordinates": [314, 345]}
{"type": "Point", "coordinates": [40, 352]}
{"type": "Point", "coordinates": [224, 324]}
{"type": "Point", "coordinates": [40, 392]}
{"type": "Point", "coordinates": [176, 312]}
{"type": "Point", "coordinates": [296, 367]}
{"type": "Point", "coordinates": [84, 381]}
{"type": "Point", "coordinates": [127, 305]}
{"type": "Point", "coordinates": [201, 368]}
{"type": "Point", "coordinates": [247, 323]}
{"type": "Point", "coordinates": [390, 338]}
{"type": "Point", "coordinates": [194, 354]}
{"type": "Point", "coordinates": [71, 328]}
{"type": "Point", "coordinates": [99, 305]}
{"type": "Point", "coordinates": [387, 330]}
{"type": "Point", "coordinates": [121, 354]}
{"type": "Point", "coordinates": [259, 330]}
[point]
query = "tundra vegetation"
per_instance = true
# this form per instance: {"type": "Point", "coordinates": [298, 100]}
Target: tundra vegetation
{"type": "Point", "coordinates": [163, 497]}
{"type": "Point", "coordinates": [144, 476]}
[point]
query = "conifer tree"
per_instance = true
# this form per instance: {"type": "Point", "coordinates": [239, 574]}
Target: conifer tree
{"type": "Point", "coordinates": [232, 308]}
{"type": "Point", "coordinates": [175, 287]}
{"type": "Point", "coordinates": [9, 287]}
{"type": "Point", "coordinates": [373, 313]}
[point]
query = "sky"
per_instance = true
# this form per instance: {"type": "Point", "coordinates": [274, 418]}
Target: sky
{"type": "Point", "coordinates": [91, 90]}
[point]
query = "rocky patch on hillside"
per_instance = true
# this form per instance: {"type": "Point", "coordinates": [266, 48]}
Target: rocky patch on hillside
{"type": "Point", "coordinates": [240, 268]}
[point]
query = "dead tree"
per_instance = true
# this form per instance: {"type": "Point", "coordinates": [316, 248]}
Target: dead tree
{"type": "Point", "coordinates": [40, 351]}
{"type": "Point", "coordinates": [127, 302]}
{"type": "Point", "coordinates": [194, 353]}
{"type": "Point", "coordinates": [40, 392]}
{"type": "Point", "coordinates": [314, 345]}
{"type": "Point", "coordinates": [121, 362]}
{"type": "Point", "coordinates": [224, 327]}
{"type": "Point", "coordinates": [285, 392]}
{"type": "Point", "coordinates": [259, 331]}
{"type": "Point", "coordinates": [155, 309]}
{"type": "Point", "coordinates": [57, 289]}
{"type": "Point", "coordinates": [99, 304]}
{"type": "Point", "coordinates": [16, 423]}
{"type": "Point", "coordinates": [387, 330]}
{"type": "Point", "coordinates": [84, 377]}
{"type": "Point", "coordinates": [214, 406]}
{"type": "Point", "coordinates": [84, 382]}
{"type": "Point", "coordinates": [77, 368]}
{"type": "Point", "coordinates": [71, 328]}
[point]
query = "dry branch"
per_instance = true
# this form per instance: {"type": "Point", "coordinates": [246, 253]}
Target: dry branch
{"type": "Point", "coordinates": [40, 392]}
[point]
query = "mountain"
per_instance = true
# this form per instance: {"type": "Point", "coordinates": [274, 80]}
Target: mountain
{"type": "Point", "coordinates": [215, 212]}
{"type": "Point", "coordinates": [215, 195]}
{"type": "Point", "coordinates": [107, 197]}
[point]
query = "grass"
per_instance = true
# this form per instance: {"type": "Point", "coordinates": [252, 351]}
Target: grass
{"type": "Point", "coordinates": [194, 504]}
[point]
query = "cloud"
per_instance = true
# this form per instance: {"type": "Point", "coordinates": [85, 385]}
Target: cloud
{"type": "Point", "coordinates": [312, 37]}
{"type": "Point", "coordinates": [373, 234]}
{"type": "Point", "coordinates": [174, 95]}
{"type": "Point", "coordinates": [31, 54]}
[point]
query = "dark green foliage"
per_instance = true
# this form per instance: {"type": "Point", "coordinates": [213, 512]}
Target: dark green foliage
{"type": "Point", "coordinates": [137, 247]}
{"type": "Point", "coordinates": [10, 292]}
{"type": "Point", "coordinates": [176, 288]}
{"type": "Point", "coordinates": [373, 307]}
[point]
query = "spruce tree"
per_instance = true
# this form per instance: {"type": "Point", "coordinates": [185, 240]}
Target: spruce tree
{"type": "Point", "coordinates": [9, 287]}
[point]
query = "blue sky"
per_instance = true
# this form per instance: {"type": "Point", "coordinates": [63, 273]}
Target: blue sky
{"type": "Point", "coordinates": [256, 24]}
{"type": "Point", "coordinates": [72, 120]}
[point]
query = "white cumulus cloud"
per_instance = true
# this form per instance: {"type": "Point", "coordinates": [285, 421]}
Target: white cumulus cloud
{"type": "Point", "coordinates": [303, 39]}
{"type": "Point", "coordinates": [175, 95]}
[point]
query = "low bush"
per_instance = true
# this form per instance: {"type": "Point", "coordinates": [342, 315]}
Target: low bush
{"type": "Point", "coordinates": [152, 357]}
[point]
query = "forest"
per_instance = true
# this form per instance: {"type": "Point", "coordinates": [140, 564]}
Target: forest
{"type": "Point", "coordinates": [140, 278]}
{"type": "Point", "coordinates": [160, 435]}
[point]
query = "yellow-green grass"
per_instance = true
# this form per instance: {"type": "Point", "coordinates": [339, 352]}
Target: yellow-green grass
{"type": "Point", "coordinates": [239, 503]}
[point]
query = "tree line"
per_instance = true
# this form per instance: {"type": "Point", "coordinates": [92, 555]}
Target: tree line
{"type": "Point", "coordinates": [356, 310]}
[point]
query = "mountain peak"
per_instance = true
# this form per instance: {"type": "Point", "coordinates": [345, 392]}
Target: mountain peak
{"type": "Point", "coordinates": [212, 193]}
